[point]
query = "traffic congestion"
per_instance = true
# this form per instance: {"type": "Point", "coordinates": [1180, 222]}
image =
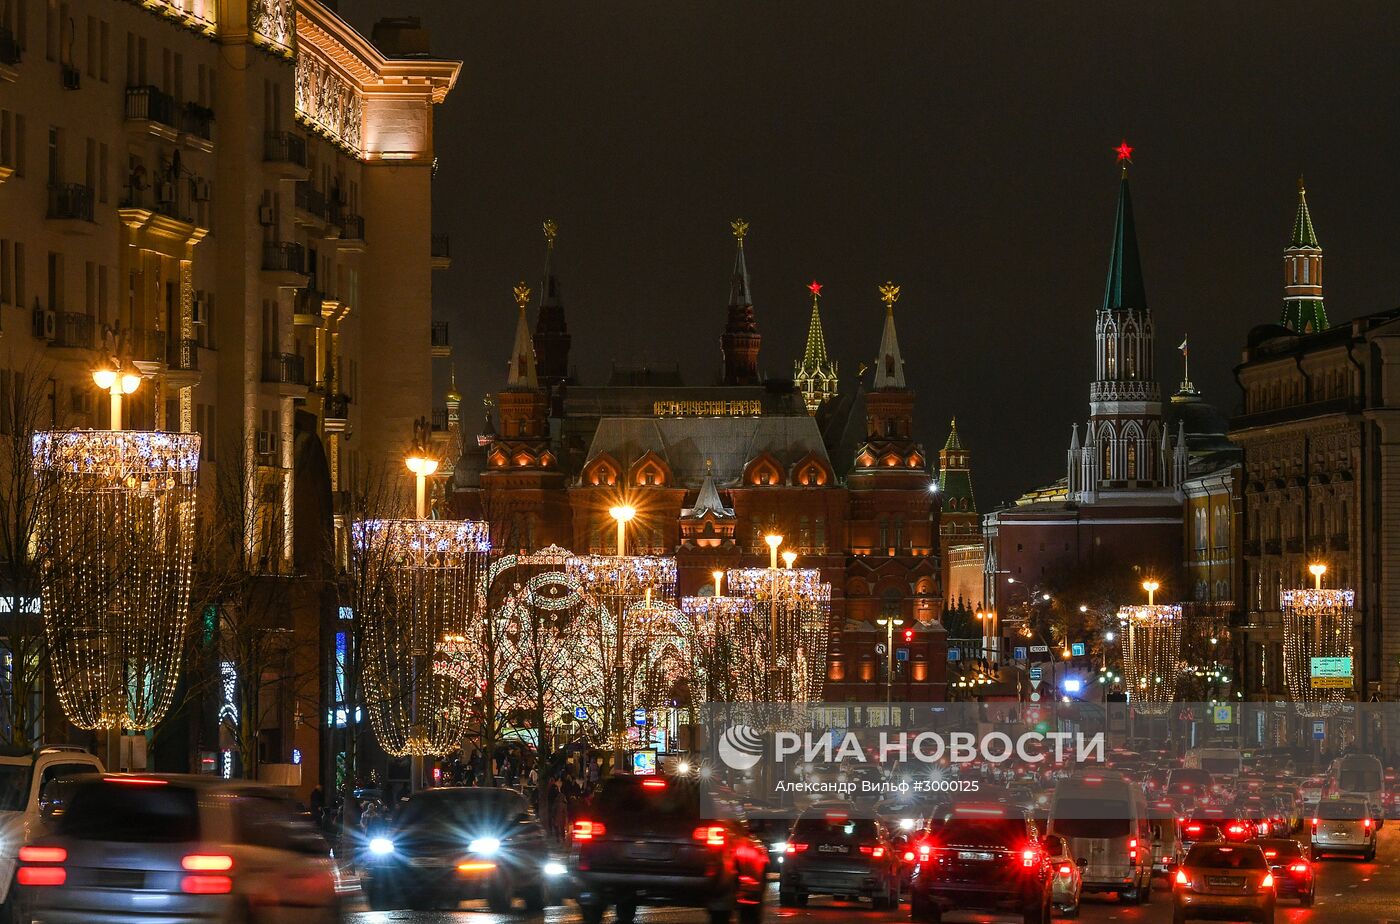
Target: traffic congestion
{"type": "Point", "coordinates": [1214, 833]}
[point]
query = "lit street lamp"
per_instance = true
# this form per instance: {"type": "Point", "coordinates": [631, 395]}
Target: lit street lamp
{"type": "Point", "coordinates": [1151, 588]}
{"type": "Point", "coordinates": [422, 467]}
{"type": "Point", "coordinates": [889, 625]}
{"type": "Point", "coordinates": [719, 578]}
{"type": "Point", "coordinates": [1317, 570]}
{"type": "Point", "coordinates": [623, 514]}
{"type": "Point", "coordinates": [773, 540]}
{"type": "Point", "coordinates": [788, 558]}
{"type": "Point", "coordinates": [117, 383]}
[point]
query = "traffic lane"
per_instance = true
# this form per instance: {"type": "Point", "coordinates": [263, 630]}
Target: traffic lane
{"type": "Point", "coordinates": [818, 911]}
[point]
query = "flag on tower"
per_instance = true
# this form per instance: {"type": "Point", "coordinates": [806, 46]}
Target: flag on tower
{"type": "Point", "coordinates": [1182, 348]}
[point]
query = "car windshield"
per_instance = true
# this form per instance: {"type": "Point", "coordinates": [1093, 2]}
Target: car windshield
{"type": "Point", "coordinates": [1080, 817]}
{"type": "Point", "coordinates": [132, 813]}
{"type": "Point", "coordinates": [460, 809]}
{"type": "Point", "coordinates": [823, 826]}
{"type": "Point", "coordinates": [14, 787]}
{"type": "Point", "coordinates": [1341, 810]}
{"type": "Point", "coordinates": [1210, 856]}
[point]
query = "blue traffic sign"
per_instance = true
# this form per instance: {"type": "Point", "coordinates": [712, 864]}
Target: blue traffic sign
{"type": "Point", "coordinates": [639, 717]}
{"type": "Point", "coordinates": [901, 654]}
{"type": "Point", "coordinates": [1020, 653]}
{"type": "Point", "coordinates": [581, 713]}
{"type": "Point", "coordinates": [954, 654]}
{"type": "Point", "coordinates": [1035, 673]}
{"type": "Point", "coordinates": [1319, 730]}
{"type": "Point", "coordinates": [1076, 649]}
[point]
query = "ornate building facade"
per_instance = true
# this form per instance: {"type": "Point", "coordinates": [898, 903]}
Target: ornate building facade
{"type": "Point", "coordinates": [712, 469]}
{"type": "Point", "coordinates": [232, 196]}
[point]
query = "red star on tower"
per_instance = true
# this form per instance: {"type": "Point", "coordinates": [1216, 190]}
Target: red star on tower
{"type": "Point", "coordinates": [815, 288]}
{"type": "Point", "coordinates": [1125, 152]}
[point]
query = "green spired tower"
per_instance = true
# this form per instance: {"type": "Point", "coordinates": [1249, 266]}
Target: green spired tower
{"type": "Point", "coordinates": [815, 375]}
{"type": "Point", "coordinates": [1303, 310]}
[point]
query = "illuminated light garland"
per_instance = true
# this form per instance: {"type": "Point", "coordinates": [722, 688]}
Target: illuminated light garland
{"type": "Point", "coordinates": [1151, 655]}
{"type": "Point", "coordinates": [721, 670]}
{"type": "Point", "coordinates": [420, 591]}
{"type": "Point", "coordinates": [115, 546]}
{"type": "Point", "coordinates": [1317, 623]}
{"type": "Point", "coordinates": [786, 632]}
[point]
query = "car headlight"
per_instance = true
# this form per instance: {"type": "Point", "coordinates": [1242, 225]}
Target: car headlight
{"type": "Point", "coordinates": [485, 846]}
{"type": "Point", "coordinates": [778, 846]}
{"type": "Point", "coordinates": [555, 868]}
{"type": "Point", "coordinates": [906, 824]}
{"type": "Point", "coordinates": [380, 846]}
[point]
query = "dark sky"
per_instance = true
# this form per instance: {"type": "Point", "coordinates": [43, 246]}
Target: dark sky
{"type": "Point", "coordinates": [963, 151]}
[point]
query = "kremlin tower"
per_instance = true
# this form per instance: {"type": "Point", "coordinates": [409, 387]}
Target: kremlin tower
{"type": "Point", "coordinates": [1303, 310]}
{"type": "Point", "coordinates": [741, 338]}
{"type": "Point", "coordinates": [815, 374]}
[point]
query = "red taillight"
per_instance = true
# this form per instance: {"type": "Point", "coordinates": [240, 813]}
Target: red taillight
{"type": "Point", "coordinates": [795, 848]}
{"type": "Point", "coordinates": [712, 835]}
{"type": "Point", "coordinates": [42, 854]}
{"type": "Point", "coordinates": [1193, 829]}
{"type": "Point", "coordinates": [206, 885]}
{"type": "Point", "coordinates": [207, 862]}
{"type": "Point", "coordinates": [1065, 869]}
{"type": "Point", "coordinates": [653, 783]}
{"type": "Point", "coordinates": [1268, 882]}
{"type": "Point", "coordinates": [41, 876]}
{"type": "Point", "coordinates": [908, 856]}
{"type": "Point", "coordinates": [1298, 868]}
{"type": "Point", "coordinates": [1028, 857]}
{"type": "Point", "coordinates": [1367, 824]}
{"type": "Point", "coordinates": [1181, 877]}
{"type": "Point", "coordinates": [587, 830]}
{"type": "Point", "coordinates": [876, 852]}
{"type": "Point", "coordinates": [137, 781]}
{"type": "Point", "coordinates": [1269, 854]}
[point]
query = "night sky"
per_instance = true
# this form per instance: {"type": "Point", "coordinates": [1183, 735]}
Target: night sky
{"type": "Point", "coordinates": [963, 151]}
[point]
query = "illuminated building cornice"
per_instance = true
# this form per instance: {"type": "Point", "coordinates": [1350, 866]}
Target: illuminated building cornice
{"type": "Point", "coordinates": [272, 25]}
{"type": "Point", "coordinates": [343, 83]}
{"type": "Point", "coordinates": [198, 16]}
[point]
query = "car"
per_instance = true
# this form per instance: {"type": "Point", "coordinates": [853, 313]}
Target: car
{"type": "Point", "coordinates": [831, 853]}
{"type": "Point", "coordinates": [1066, 876]}
{"type": "Point", "coordinates": [198, 848]}
{"type": "Point", "coordinates": [1345, 824]}
{"type": "Point", "coordinates": [1106, 821]}
{"type": "Point", "coordinates": [981, 857]}
{"type": "Point", "coordinates": [25, 778]}
{"type": "Point", "coordinates": [1359, 775]}
{"type": "Point", "coordinates": [1190, 781]}
{"type": "Point", "coordinates": [644, 841]}
{"type": "Point", "coordinates": [771, 826]}
{"type": "Point", "coordinates": [459, 843]}
{"type": "Point", "coordinates": [1291, 864]}
{"type": "Point", "coordinates": [1223, 882]}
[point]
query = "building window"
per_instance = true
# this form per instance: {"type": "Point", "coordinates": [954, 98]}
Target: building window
{"type": "Point", "coordinates": [1111, 353]}
{"type": "Point", "coordinates": [1132, 459]}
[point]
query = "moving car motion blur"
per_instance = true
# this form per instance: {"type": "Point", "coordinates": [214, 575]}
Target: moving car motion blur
{"type": "Point", "coordinates": [163, 848]}
{"type": "Point", "coordinates": [458, 843]}
{"type": "Point", "coordinates": [831, 853]}
{"type": "Point", "coordinates": [643, 841]}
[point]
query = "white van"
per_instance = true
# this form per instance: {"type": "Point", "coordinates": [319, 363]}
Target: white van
{"type": "Point", "coordinates": [1219, 761]}
{"type": "Point", "coordinates": [1104, 819]}
{"type": "Point", "coordinates": [1359, 775]}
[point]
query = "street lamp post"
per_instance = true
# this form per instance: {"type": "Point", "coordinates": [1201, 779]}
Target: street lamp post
{"type": "Point", "coordinates": [421, 467]}
{"type": "Point", "coordinates": [117, 383]}
{"type": "Point", "coordinates": [719, 578]}
{"type": "Point", "coordinates": [1151, 587]}
{"type": "Point", "coordinates": [774, 540]}
{"type": "Point", "coordinates": [889, 623]}
{"type": "Point", "coordinates": [623, 514]}
{"type": "Point", "coordinates": [1317, 570]}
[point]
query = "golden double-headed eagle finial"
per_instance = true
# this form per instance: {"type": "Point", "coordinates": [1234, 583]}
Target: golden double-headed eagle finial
{"type": "Point", "coordinates": [522, 294]}
{"type": "Point", "coordinates": [551, 231]}
{"type": "Point", "coordinates": [741, 228]}
{"type": "Point", "coordinates": [889, 294]}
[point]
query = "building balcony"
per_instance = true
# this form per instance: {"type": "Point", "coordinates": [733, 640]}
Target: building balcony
{"type": "Point", "coordinates": [71, 203]}
{"type": "Point", "coordinates": [1294, 545]}
{"type": "Point", "coordinates": [197, 124]}
{"type": "Point", "coordinates": [1250, 547]}
{"type": "Point", "coordinates": [1339, 543]}
{"type": "Point", "coordinates": [146, 346]}
{"type": "Point", "coordinates": [307, 308]}
{"type": "Point", "coordinates": [287, 370]}
{"type": "Point", "coordinates": [311, 208]}
{"type": "Point", "coordinates": [1273, 546]}
{"type": "Point", "coordinates": [182, 363]}
{"type": "Point", "coordinates": [9, 50]}
{"type": "Point", "coordinates": [352, 226]}
{"type": "Point", "coordinates": [163, 199]}
{"type": "Point", "coordinates": [286, 260]}
{"type": "Point", "coordinates": [150, 110]}
{"type": "Point", "coordinates": [74, 330]}
{"type": "Point", "coordinates": [441, 251]}
{"type": "Point", "coordinates": [441, 343]}
{"type": "Point", "coordinates": [1132, 390]}
{"type": "Point", "coordinates": [284, 154]}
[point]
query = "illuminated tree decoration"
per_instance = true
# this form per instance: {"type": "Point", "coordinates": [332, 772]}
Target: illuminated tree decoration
{"type": "Point", "coordinates": [1151, 655]}
{"type": "Point", "coordinates": [1316, 624]}
{"type": "Point", "coordinates": [785, 632]}
{"type": "Point", "coordinates": [721, 669]}
{"type": "Point", "coordinates": [116, 540]}
{"type": "Point", "coordinates": [420, 595]}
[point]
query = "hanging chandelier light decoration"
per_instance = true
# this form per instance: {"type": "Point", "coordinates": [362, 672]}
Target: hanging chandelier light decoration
{"type": "Point", "coordinates": [721, 669]}
{"type": "Point", "coordinates": [420, 594]}
{"type": "Point", "coordinates": [1317, 623]}
{"type": "Point", "coordinates": [115, 546]}
{"type": "Point", "coordinates": [1151, 655]}
{"type": "Point", "coordinates": [785, 632]}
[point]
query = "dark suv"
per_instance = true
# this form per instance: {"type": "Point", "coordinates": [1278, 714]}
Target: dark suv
{"type": "Point", "coordinates": [981, 857]}
{"type": "Point", "coordinates": [831, 853]}
{"type": "Point", "coordinates": [458, 843]}
{"type": "Point", "coordinates": [643, 841]}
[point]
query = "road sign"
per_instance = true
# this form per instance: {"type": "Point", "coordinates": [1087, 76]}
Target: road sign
{"type": "Point", "coordinates": [1331, 683]}
{"type": "Point", "coordinates": [954, 654]}
{"type": "Point", "coordinates": [1040, 649]}
{"type": "Point", "coordinates": [581, 713]}
{"type": "Point", "coordinates": [1077, 649]}
{"type": "Point", "coordinates": [1035, 674]}
{"type": "Point", "coordinates": [639, 717]}
{"type": "Point", "coordinates": [880, 648]}
{"type": "Point", "coordinates": [1223, 714]}
{"type": "Point", "coordinates": [1331, 667]}
{"type": "Point", "coordinates": [1035, 696]}
{"type": "Point", "coordinates": [1020, 653]}
{"type": "Point", "coordinates": [901, 654]}
{"type": "Point", "coordinates": [1319, 730]}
